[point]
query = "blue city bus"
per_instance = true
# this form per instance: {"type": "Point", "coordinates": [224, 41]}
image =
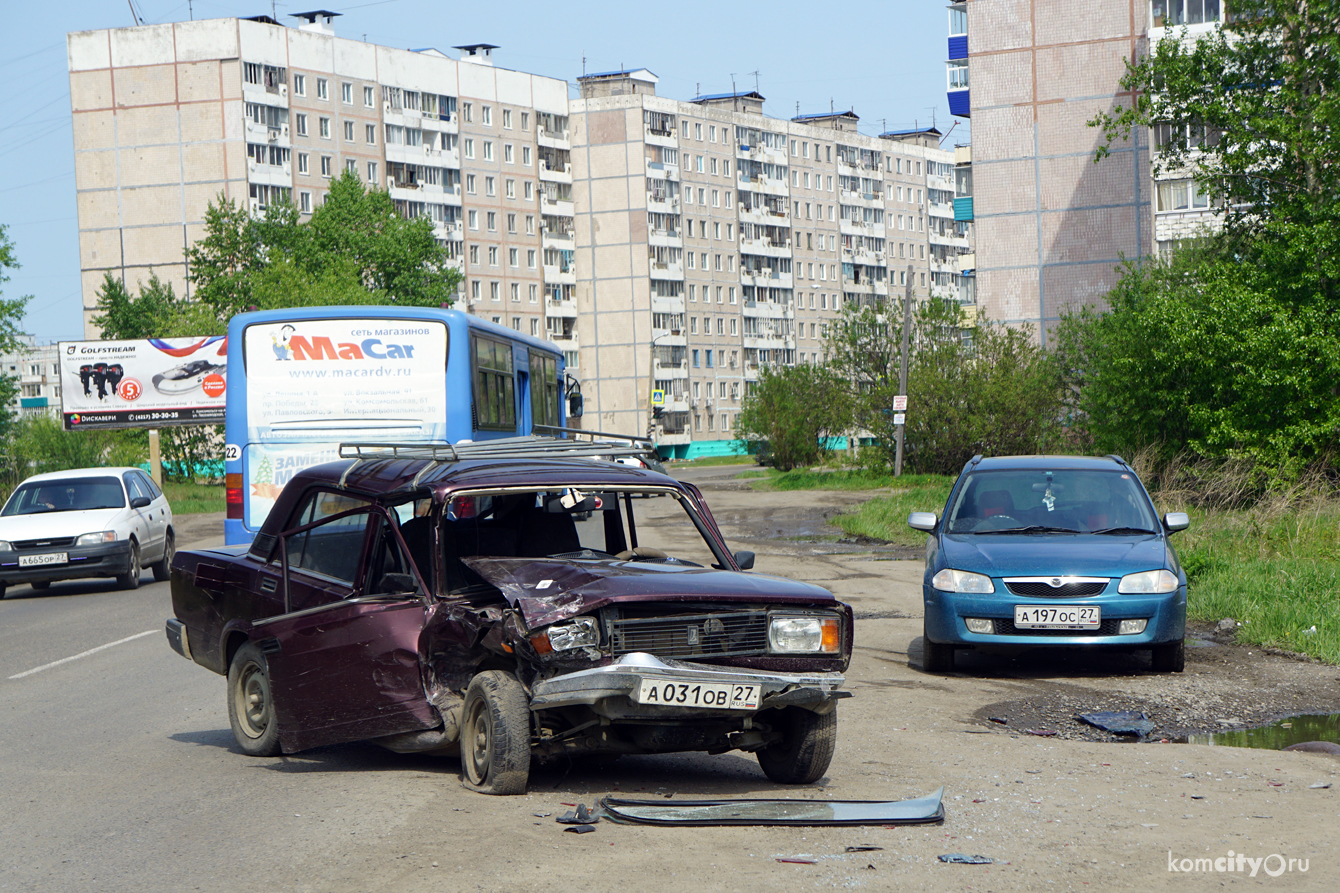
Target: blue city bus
{"type": "Point", "coordinates": [303, 380]}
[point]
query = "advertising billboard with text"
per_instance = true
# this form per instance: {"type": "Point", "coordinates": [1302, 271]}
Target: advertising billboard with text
{"type": "Point", "coordinates": [154, 383]}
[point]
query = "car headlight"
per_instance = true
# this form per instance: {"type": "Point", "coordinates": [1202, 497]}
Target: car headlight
{"type": "Point", "coordinates": [5, 546]}
{"type": "Point", "coordinates": [1148, 583]}
{"type": "Point", "coordinates": [950, 580]}
{"type": "Point", "coordinates": [804, 635]}
{"type": "Point", "coordinates": [580, 633]}
{"type": "Point", "coordinates": [94, 539]}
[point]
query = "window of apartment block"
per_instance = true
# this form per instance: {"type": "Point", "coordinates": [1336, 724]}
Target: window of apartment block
{"type": "Point", "coordinates": [473, 218]}
{"type": "Point", "coordinates": [718, 288]}
{"type": "Point", "coordinates": [510, 188]}
{"type": "Point", "coordinates": [717, 266]}
{"type": "Point", "coordinates": [507, 153]}
{"type": "Point", "coordinates": [302, 162]}
{"type": "Point", "coordinates": [470, 185]}
{"type": "Point", "coordinates": [525, 120]}
{"type": "Point", "coordinates": [370, 134]}
{"type": "Point", "coordinates": [369, 97]}
{"type": "Point", "coordinates": [530, 222]}
{"type": "Point", "coordinates": [348, 131]}
{"type": "Point", "coordinates": [516, 296]}
{"type": "Point", "coordinates": [533, 289]}
{"type": "Point", "coordinates": [525, 155]}
{"type": "Point", "coordinates": [493, 221]}
{"type": "Point", "coordinates": [466, 110]}
{"type": "Point", "coordinates": [325, 165]}
{"type": "Point", "coordinates": [726, 199]}
{"type": "Point", "coordinates": [347, 93]}
{"type": "Point", "coordinates": [513, 258]}
{"type": "Point", "coordinates": [695, 353]}
{"type": "Point", "coordinates": [698, 133]}
{"type": "Point", "coordinates": [712, 133]}
{"type": "Point", "coordinates": [714, 166]}
{"type": "Point", "coordinates": [529, 190]}
{"type": "Point", "coordinates": [351, 165]}
{"type": "Point", "coordinates": [488, 150]}
{"type": "Point", "coordinates": [534, 324]}
{"type": "Point", "coordinates": [507, 119]}
{"type": "Point", "coordinates": [707, 355]}
{"type": "Point", "coordinates": [511, 223]}
{"type": "Point", "coordinates": [732, 300]}
{"type": "Point", "coordinates": [530, 259]}
{"type": "Point", "coordinates": [372, 172]}
{"type": "Point", "coordinates": [324, 128]}
{"type": "Point", "coordinates": [300, 122]}
{"type": "Point", "coordinates": [474, 291]}
{"type": "Point", "coordinates": [490, 187]}
{"type": "Point", "coordinates": [495, 292]}
{"type": "Point", "coordinates": [732, 331]}
{"type": "Point", "coordinates": [693, 289]}
{"type": "Point", "coordinates": [305, 202]}
{"type": "Point", "coordinates": [474, 252]}
{"type": "Point", "coordinates": [486, 115]}
{"type": "Point", "coordinates": [300, 85]}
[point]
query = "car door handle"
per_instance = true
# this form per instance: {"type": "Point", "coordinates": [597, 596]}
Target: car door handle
{"type": "Point", "coordinates": [269, 584]}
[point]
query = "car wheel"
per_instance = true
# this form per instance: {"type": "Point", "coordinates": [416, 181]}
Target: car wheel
{"type": "Point", "coordinates": [936, 657]}
{"type": "Point", "coordinates": [806, 748]}
{"type": "Point", "coordinates": [40, 585]}
{"type": "Point", "coordinates": [495, 735]}
{"type": "Point", "coordinates": [3, 587]}
{"type": "Point", "coordinates": [1169, 657]}
{"type": "Point", "coordinates": [163, 568]}
{"type": "Point", "coordinates": [251, 709]}
{"type": "Point", "coordinates": [131, 578]}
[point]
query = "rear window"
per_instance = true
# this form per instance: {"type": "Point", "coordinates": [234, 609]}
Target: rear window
{"type": "Point", "coordinates": [1083, 500]}
{"type": "Point", "coordinates": [66, 495]}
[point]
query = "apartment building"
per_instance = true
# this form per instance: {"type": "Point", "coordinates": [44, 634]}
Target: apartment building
{"type": "Point", "coordinates": [36, 369]}
{"type": "Point", "coordinates": [169, 117]}
{"type": "Point", "coordinates": [1052, 226]}
{"type": "Point", "coordinates": [713, 240]}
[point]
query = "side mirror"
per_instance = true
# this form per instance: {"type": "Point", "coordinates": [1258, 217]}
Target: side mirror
{"type": "Point", "coordinates": [392, 583]}
{"type": "Point", "coordinates": [745, 559]}
{"type": "Point", "coordinates": [921, 521]}
{"type": "Point", "coordinates": [574, 406]}
{"type": "Point", "coordinates": [1175, 521]}
{"type": "Point", "coordinates": [139, 502]}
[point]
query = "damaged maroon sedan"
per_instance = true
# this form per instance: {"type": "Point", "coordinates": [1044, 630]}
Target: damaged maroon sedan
{"type": "Point", "coordinates": [504, 599]}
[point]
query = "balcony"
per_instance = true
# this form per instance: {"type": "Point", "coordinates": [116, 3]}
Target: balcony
{"type": "Point", "coordinates": [554, 139]}
{"type": "Point", "coordinates": [670, 370]}
{"type": "Point", "coordinates": [765, 278]}
{"type": "Point", "coordinates": [765, 248]}
{"type": "Point", "coordinates": [556, 174]}
{"type": "Point", "coordinates": [555, 274]}
{"type": "Point", "coordinates": [666, 271]}
{"type": "Point", "coordinates": [658, 170]}
{"type": "Point", "coordinates": [662, 202]}
{"type": "Point", "coordinates": [559, 307]}
{"type": "Point", "coordinates": [665, 138]}
{"type": "Point", "coordinates": [766, 185]}
{"type": "Point", "coordinates": [555, 207]}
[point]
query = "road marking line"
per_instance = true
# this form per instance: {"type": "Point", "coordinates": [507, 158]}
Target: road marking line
{"type": "Point", "coordinates": [66, 660]}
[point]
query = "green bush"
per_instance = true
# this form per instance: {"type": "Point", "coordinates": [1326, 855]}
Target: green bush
{"type": "Point", "coordinates": [790, 411]}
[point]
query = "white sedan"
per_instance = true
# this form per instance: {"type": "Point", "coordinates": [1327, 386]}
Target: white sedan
{"type": "Point", "coordinates": [86, 522]}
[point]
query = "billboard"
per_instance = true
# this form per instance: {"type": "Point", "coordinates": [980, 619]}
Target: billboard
{"type": "Point", "coordinates": [154, 383]}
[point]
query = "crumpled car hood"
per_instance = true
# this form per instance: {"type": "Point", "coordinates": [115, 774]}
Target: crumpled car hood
{"type": "Point", "coordinates": [1026, 555]}
{"type": "Point", "coordinates": [548, 590]}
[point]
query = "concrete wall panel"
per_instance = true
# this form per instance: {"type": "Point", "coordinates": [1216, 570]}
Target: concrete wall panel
{"type": "Point", "coordinates": [145, 45]}
{"type": "Point", "coordinates": [148, 85]}
{"type": "Point", "coordinates": [90, 90]}
{"type": "Point", "coordinates": [149, 165]}
{"type": "Point", "coordinates": [95, 170]}
{"type": "Point", "coordinates": [198, 81]}
{"type": "Point", "coordinates": [88, 50]}
{"type": "Point", "coordinates": [206, 39]}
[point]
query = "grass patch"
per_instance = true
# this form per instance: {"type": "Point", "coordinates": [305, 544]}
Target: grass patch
{"type": "Point", "coordinates": [708, 461]}
{"type": "Point", "coordinates": [885, 516]}
{"type": "Point", "coordinates": [192, 499]}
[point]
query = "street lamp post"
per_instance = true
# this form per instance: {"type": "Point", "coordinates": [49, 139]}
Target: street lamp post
{"type": "Point", "coordinates": [651, 383]}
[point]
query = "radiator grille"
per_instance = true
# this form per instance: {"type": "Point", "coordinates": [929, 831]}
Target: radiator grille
{"type": "Point", "coordinates": [692, 635]}
{"type": "Point", "coordinates": [51, 542]}
{"type": "Point", "coordinates": [1038, 588]}
{"type": "Point", "coordinates": [1105, 628]}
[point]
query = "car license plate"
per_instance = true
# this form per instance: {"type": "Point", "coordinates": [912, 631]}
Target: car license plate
{"type": "Point", "coordinates": [669, 693]}
{"type": "Point", "coordinates": [45, 559]}
{"type": "Point", "coordinates": [1052, 617]}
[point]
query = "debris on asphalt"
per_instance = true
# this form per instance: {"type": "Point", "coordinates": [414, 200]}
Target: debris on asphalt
{"type": "Point", "coordinates": [961, 859]}
{"type": "Point", "coordinates": [1119, 722]}
{"type": "Point", "coordinates": [1041, 733]}
{"type": "Point", "coordinates": [863, 849]}
{"type": "Point", "coordinates": [1000, 719]}
{"type": "Point", "coordinates": [579, 816]}
{"type": "Point", "coordinates": [918, 811]}
{"type": "Point", "coordinates": [580, 829]}
{"type": "Point", "coordinates": [799, 861]}
{"type": "Point", "coordinates": [1320, 785]}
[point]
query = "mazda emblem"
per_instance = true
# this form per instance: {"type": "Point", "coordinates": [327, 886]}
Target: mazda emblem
{"type": "Point", "coordinates": [1056, 582]}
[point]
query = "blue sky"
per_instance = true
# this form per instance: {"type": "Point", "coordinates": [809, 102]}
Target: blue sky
{"type": "Point", "coordinates": [883, 59]}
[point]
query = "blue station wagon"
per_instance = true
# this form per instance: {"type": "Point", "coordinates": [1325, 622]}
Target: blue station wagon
{"type": "Point", "coordinates": [1052, 551]}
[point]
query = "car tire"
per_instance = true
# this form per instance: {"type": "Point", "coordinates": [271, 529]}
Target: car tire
{"type": "Point", "coordinates": [163, 567]}
{"type": "Point", "coordinates": [1169, 657]}
{"type": "Point", "coordinates": [806, 748]}
{"type": "Point", "coordinates": [131, 578]}
{"type": "Point", "coordinates": [3, 587]}
{"type": "Point", "coordinates": [936, 657]}
{"type": "Point", "coordinates": [251, 709]}
{"type": "Point", "coordinates": [41, 585]}
{"type": "Point", "coordinates": [495, 735]}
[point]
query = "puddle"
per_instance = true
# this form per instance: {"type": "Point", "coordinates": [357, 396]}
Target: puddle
{"type": "Point", "coordinates": [1277, 735]}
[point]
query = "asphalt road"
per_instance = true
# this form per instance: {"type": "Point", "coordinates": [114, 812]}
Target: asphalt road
{"type": "Point", "coordinates": [119, 772]}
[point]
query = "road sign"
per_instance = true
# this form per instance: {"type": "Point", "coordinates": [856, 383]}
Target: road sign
{"type": "Point", "coordinates": [900, 403]}
{"type": "Point", "coordinates": [658, 397]}
{"type": "Point", "coordinates": [899, 418]}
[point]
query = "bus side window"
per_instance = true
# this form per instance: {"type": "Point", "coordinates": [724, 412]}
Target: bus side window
{"type": "Point", "coordinates": [495, 385]}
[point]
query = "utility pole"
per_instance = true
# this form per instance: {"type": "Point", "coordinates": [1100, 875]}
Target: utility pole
{"type": "Point", "coordinates": [902, 368]}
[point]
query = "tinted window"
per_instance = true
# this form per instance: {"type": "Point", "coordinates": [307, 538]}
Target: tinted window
{"type": "Point", "coordinates": [66, 495]}
{"type": "Point", "coordinates": [1083, 500]}
{"type": "Point", "coordinates": [331, 549]}
{"type": "Point", "coordinates": [543, 389]}
{"type": "Point", "coordinates": [148, 483]}
{"type": "Point", "coordinates": [135, 486]}
{"type": "Point", "coordinates": [495, 385]}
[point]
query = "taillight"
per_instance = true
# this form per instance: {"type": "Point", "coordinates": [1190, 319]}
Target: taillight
{"type": "Point", "coordinates": [232, 495]}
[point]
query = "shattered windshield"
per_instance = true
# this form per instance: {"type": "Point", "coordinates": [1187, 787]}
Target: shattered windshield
{"type": "Point", "coordinates": [1051, 502]}
{"type": "Point", "coordinates": [570, 524]}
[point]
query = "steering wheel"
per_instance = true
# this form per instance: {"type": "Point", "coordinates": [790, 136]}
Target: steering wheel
{"type": "Point", "coordinates": [641, 552]}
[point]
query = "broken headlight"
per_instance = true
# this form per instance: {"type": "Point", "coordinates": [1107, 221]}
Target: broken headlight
{"type": "Point", "coordinates": [580, 633]}
{"type": "Point", "coordinates": [804, 635]}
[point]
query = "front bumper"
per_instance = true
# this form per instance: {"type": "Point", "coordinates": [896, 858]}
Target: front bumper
{"type": "Point", "coordinates": [607, 690]}
{"type": "Point", "coordinates": [102, 560]}
{"type": "Point", "coordinates": [1165, 617]}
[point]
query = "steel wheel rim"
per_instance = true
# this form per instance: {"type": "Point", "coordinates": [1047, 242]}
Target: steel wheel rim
{"type": "Point", "coordinates": [477, 727]}
{"type": "Point", "coordinates": [253, 701]}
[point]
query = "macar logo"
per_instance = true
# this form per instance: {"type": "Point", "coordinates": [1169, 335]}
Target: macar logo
{"type": "Point", "coordinates": [320, 347]}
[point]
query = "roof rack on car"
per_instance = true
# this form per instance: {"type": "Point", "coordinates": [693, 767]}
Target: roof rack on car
{"type": "Point", "coordinates": [534, 446]}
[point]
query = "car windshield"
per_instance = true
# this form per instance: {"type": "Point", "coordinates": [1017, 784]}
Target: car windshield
{"type": "Point", "coordinates": [1051, 501]}
{"type": "Point", "coordinates": [66, 495]}
{"type": "Point", "coordinates": [567, 523]}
